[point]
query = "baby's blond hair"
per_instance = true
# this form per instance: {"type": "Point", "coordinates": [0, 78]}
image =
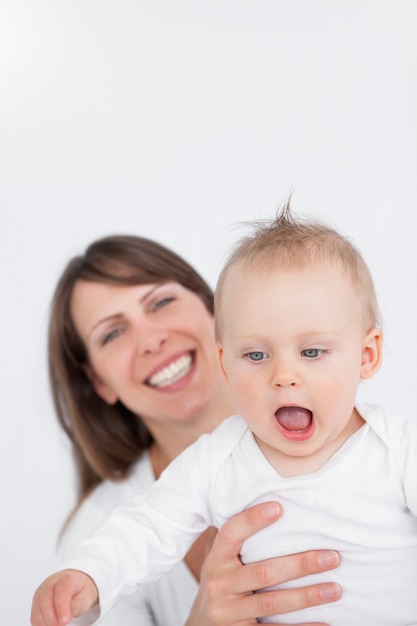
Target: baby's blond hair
{"type": "Point", "coordinates": [293, 242]}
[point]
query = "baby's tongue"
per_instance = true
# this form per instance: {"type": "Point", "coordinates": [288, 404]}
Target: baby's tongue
{"type": "Point", "coordinates": [294, 417]}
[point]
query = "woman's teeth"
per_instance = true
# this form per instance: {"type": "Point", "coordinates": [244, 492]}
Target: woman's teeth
{"type": "Point", "coordinates": [172, 373]}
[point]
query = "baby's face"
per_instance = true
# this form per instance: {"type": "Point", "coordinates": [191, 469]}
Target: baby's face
{"type": "Point", "coordinates": [293, 349]}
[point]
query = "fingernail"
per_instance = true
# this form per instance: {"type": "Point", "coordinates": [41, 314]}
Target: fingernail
{"type": "Point", "coordinates": [270, 509]}
{"type": "Point", "coordinates": [329, 559]}
{"type": "Point", "coordinates": [330, 591]}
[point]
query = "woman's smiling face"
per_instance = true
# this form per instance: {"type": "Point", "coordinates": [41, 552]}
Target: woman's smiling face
{"type": "Point", "coordinates": [150, 346]}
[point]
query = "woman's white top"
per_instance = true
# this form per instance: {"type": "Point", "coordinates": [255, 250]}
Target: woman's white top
{"type": "Point", "coordinates": [362, 502]}
{"type": "Point", "coordinates": [166, 602]}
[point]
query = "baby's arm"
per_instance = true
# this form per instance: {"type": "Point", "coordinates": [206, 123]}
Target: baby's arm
{"type": "Point", "coordinates": [61, 597]}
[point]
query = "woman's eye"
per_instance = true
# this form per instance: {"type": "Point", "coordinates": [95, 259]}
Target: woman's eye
{"type": "Point", "coordinates": [256, 355]}
{"type": "Point", "coordinates": [312, 353]}
{"type": "Point", "coordinates": [160, 304]}
{"type": "Point", "coordinates": [110, 336]}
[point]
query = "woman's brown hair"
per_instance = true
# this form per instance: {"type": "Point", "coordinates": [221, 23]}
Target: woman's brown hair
{"type": "Point", "coordinates": [106, 439]}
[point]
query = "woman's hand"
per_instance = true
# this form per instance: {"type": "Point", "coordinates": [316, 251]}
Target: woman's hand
{"type": "Point", "coordinates": [226, 588]}
{"type": "Point", "coordinates": [61, 597]}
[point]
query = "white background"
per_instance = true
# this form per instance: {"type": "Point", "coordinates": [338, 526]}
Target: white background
{"type": "Point", "coordinates": [176, 119]}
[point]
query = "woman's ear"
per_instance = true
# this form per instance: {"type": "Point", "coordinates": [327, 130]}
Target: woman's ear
{"type": "Point", "coordinates": [101, 389]}
{"type": "Point", "coordinates": [220, 355]}
{"type": "Point", "coordinates": [371, 353]}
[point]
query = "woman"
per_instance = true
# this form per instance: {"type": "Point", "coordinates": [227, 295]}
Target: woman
{"type": "Point", "coordinates": [135, 379]}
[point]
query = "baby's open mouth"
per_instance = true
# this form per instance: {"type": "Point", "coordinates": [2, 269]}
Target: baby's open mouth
{"type": "Point", "coordinates": [294, 418]}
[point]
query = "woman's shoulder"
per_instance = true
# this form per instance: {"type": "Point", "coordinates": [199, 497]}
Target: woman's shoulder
{"type": "Point", "coordinates": [105, 497]}
{"type": "Point", "coordinates": [111, 493]}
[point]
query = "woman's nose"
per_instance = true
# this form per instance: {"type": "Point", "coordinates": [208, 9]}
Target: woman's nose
{"type": "Point", "coordinates": [150, 339]}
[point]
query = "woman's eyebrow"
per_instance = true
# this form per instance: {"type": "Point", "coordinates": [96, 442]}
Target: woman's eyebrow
{"type": "Point", "coordinates": [114, 316]}
{"type": "Point", "coordinates": [150, 292]}
{"type": "Point", "coordinates": [103, 321]}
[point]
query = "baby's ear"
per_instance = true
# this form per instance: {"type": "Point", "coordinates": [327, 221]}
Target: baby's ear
{"type": "Point", "coordinates": [220, 355]}
{"type": "Point", "coordinates": [101, 389]}
{"type": "Point", "coordinates": [371, 353]}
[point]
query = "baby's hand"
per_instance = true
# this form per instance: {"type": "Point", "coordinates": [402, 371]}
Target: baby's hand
{"type": "Point", "coordinates": [61, 597]}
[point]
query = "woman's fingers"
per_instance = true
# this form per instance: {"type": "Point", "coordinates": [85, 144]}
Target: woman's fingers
{"type": "Point", "coordinates": [282, 569]}
{"type": "Point", "coordinates": [244, 609]}
{"type": "Point", "coordinates": [226, 590]}
{"type": "Point", "coordinates": [277, 602]}
{"type": "Point", "coordinates": [227, 546]}
{"type": "Point", "coordinates": [229, 539]}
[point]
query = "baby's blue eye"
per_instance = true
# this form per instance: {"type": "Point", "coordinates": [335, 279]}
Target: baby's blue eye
{"type": "Point", "coordinates": [312, 353]}
{"type": "Point", "coordinates": [257, 355]}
